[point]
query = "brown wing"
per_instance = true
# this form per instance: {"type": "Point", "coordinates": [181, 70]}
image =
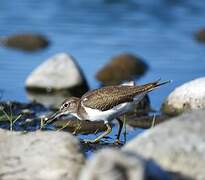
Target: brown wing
{"type": "Point", "coordinates": [107, 97]}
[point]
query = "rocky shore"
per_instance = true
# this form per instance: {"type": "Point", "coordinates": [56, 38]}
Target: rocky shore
{"type": "Point", "coordinates": [172, 150]}
{"type": "Point", "coordinates": [171, 147]}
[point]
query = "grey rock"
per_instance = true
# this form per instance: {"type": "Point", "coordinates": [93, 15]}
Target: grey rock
{"type": "Point", "coordinates": [113, 164]}
{"type": "Point", "coordinates": [39, 156]}
{"type": "Point", "coordinates": [188, 96]}
{"type": "Point", "coordinates": [178, 145]}
{"type": "Point", "coordinates": [57, 73]}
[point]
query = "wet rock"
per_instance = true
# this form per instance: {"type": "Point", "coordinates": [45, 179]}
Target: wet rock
{"type": "Point", "coordinates": [145, 122]}
{"type": "Point", "coordinates": [27, 42]}
{"type": "Point", "coordinates": [111, 164]}
{"type": "Point", "coordinates": [188, 96]}
{"type": "Point", "coordinates": [82, 127]}
{"type": "Point", "coordinates": [58, 73]}
{"type": "Point", "coordinates": [39, 155]}
{"type": "Point", "coordinates": [178, 145]}
{"type": "Point", "coordinates": [121, 68]}
{"type": "Point", "coordinates": [90, 127]}
{"type": "Point", "coordinates": [143, 107]}
{"type": "Point", "coordinates": [200, 35]}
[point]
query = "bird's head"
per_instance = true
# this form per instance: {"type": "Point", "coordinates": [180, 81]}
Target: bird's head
{"type": "Point", "coordinates": [68, 107]}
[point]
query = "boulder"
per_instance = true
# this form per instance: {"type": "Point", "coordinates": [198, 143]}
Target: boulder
{"type": "Point", "coordinates": [200, 35]}
{"type": "Point", "coordinates": [58, 73]}
{"type": "Point", "coordinates": [121, 68]}
{"type": "Point", "coordinates": [113, 164]}
{"type": "Point", "coordinates": [188, 96]}
{"type": "Point", "coordinates": [39, 155]}
{"type": "Point", "coordinates": [26, 42]}
{"type": "Point", "coordinates": [177, 145]}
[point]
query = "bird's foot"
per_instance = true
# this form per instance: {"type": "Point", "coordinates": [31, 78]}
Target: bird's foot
{"type": "Point", "coordinates": [90, 141]}
{"type": "Point", "coordinates": [118, 142]}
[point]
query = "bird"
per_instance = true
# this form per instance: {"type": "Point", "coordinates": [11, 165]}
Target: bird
{"type": "Point", "coordinates": [106, 103]}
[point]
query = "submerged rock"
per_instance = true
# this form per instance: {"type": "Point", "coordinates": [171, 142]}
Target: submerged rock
{"type": "Point", "coordinates": [121, 68]}
{"type": "Point", "coordinates": [188, 96]}
{"type": "Point", "coordinates": [27, 42]}
{"type": "Point", "coordinates": [200, 35]}
{"type": "Point", "coordinates": [58, 73]}
{"type": "Point", "coordinates": [113, 164]}
{"type": "Point", "coordinates": [177, 145]}
{"type": "Point", "coordinates": [39, 155]}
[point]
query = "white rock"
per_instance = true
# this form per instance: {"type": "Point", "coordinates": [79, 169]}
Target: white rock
{"type": "Point", "coordinates": [110, 164]}
{"type": "Point", "coordinates": [58, 72]}
{"type": "Point", "coordinates": [39, 156]}
{"type": "Point", "coordinates": [190, 95]}
{"type": "Point", "coordinates": [178, 145]}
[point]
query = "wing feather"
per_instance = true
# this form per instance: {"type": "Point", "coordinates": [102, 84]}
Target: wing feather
{"type": "Point", "coordinates": [107, 97]}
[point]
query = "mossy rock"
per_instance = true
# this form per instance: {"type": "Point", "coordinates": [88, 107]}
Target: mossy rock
{"type": "Point", "coordinates": [121, 68]}
{"type": "Point", "coordinates": [26, 42]}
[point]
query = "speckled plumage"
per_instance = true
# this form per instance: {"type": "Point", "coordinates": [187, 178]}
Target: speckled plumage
{"type": "Point", "coordinates": [106, 104]}
{"type": "Point", "coordinates": [108, 97]}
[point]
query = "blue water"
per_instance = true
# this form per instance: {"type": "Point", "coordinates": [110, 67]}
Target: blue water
{"type": "Point", "coordinates": [160, 31]}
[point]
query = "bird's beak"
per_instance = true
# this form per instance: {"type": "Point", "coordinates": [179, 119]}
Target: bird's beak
{"type": "Point", "coordinates": [53, 117]}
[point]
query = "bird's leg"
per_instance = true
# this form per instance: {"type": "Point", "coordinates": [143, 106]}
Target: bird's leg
{"type": "Point", "coordinates": [125, 130]}
{"type": "Point", "coordinates": [117, 141]}
{"type": "Point", "coordinates": [109, 129]}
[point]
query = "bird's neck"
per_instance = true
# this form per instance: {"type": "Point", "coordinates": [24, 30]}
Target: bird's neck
{"type": "Point", "coordinates": [75, 114]}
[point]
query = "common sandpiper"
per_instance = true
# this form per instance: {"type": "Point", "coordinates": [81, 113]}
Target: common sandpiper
{"type": "Point", "coordinates": [106, 103]}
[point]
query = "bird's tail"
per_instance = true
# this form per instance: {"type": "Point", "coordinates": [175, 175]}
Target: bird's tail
{"type": "Point", "coordinates": [158, 83]}
{"type": "Point", "coordinates": [151, 86]}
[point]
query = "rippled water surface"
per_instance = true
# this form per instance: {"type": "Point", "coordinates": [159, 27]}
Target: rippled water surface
{"type": "Point", "coordinates": [160, 31]}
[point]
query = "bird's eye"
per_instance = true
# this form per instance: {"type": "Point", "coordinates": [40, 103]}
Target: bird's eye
{"type": "Point", "coordinates": [66, 105]}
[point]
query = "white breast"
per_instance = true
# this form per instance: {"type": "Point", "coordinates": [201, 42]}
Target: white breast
{"type": "Point", "coordinates": [97, 115]}
{"type": "Point", "coordinates": [108, 115]}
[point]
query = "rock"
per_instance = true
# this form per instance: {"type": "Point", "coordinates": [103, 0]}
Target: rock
{"type": "Point", "coordinates": [113, 164]}
{"type": "Point", "coordinates": [80, 127]}
{"type": "Point", "coordinates": [145, 122]}
{"type": "Point", "coordinates": [143, 107]}
{"type": "Point", "coordinates": [200, 35]}
{"type": "Point", "coordinates": [58, 73]}
{"type": "Point", "coordinates": [121, 68]}
{"type": "Point", "coordinates": [39, 155]}
{"type": "Point", "coordinates": [178, 145]}
{"type": "Point", "coordinates": [188, 96]}
{"type": "Point", "coordinates": [27, 42]}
